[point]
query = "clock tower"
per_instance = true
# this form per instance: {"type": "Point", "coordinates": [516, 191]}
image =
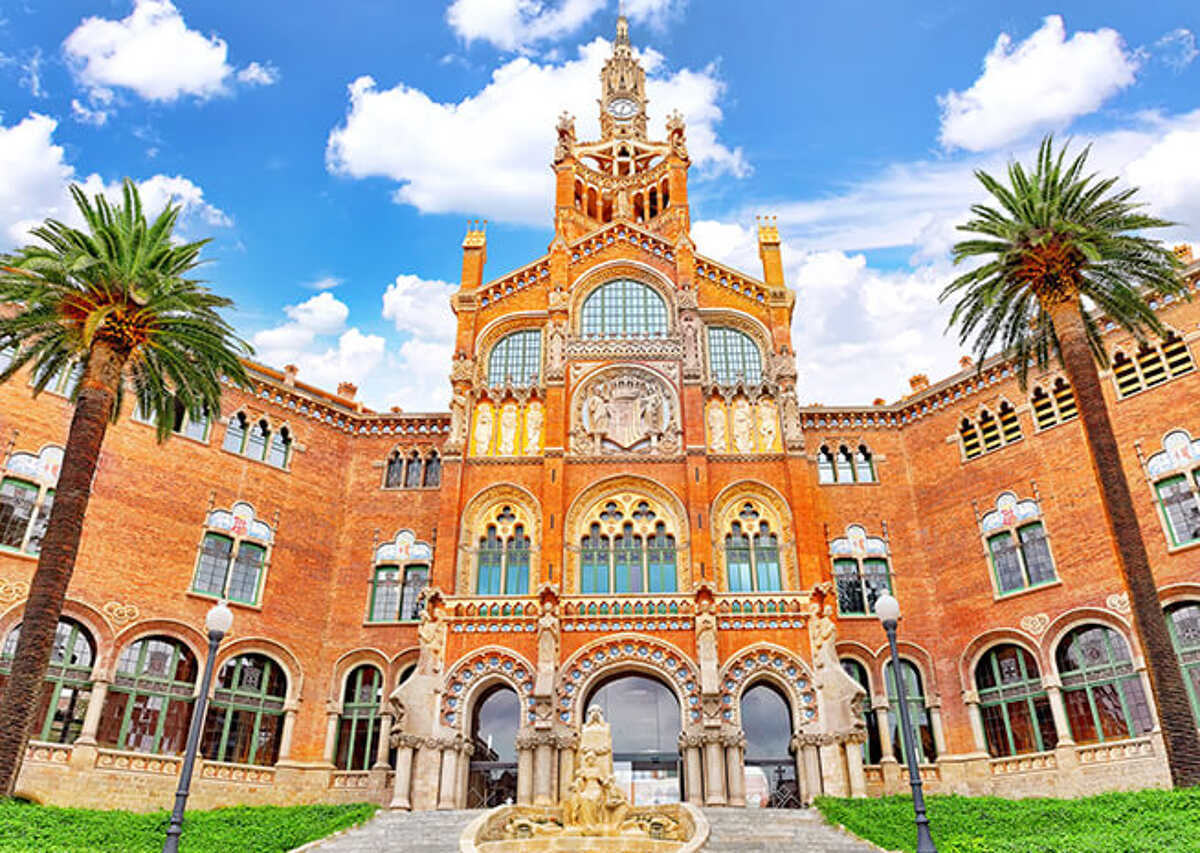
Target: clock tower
{"type": "Point", "coordinates": [623, 90]}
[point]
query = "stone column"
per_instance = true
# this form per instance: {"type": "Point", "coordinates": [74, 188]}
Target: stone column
{"type": "Point", "coordinates": [289, 727]}
{"type": "Point", "coordinates": [714, 771]}
{"type": "Point", "coordinates": [735, 768]}
{"type": "Point", "coordinates": [854, 764]}
{"type": "Point", "coordinates": [426, 772]}
{"type": "Point", "coordinates": [448, 785]}
{"type": "Point", "coordinates": [543, 770]}
{"type": "Point", "coordinates": [812, 771]}
{"type": "Point", "coordinates": [692, 779]}
{"type": "Point", "coordinates": [331, 730]}
{"type": "Point", "coordinates": [404, 758]}
{"type": "Point", "coordinates": [381, 751]}
{"type": "Point", "coordinates": [464, 773]}
{"type": "Point", "coordinates": [524, 773]}
{"type": "Point", "coordinates": [971, 700]}
{"type": "Point", "coordinates": [91, 717]}
{"type": "Point", "coordinates": [802, 785]}
{"type": "Point", "coordinates": [935, 723]}
{"type": "Point", "coordinates": [881, 708]}
{"type": "Point", "coordinates": [833, 767]}
{"type": "Point", "coordinates": [566, 764]}
{"type": "Point", "coordinates": [1058, 709]}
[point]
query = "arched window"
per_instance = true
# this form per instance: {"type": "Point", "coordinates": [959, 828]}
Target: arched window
{"type": "Point", "coordinates": [1053, 407]}
{"type": "Point", "coordinates": [864, 465]}
{"type": "Point", "coordinates": [752, 554]}
{"type": "Point", "coordinates": [872, 748]}
{"type": "Point", "coordinates": [1152, 365]}
{"type": "Point", "coordinates": [1175, 471]}
{"type": "Point", "coordinates": [258, 441]}
{"type": "Point", "coordinates": [844, 465]}
{"type": "Point", "coordinates": [358, 724]}
{"type": "Point", "coordinates": [495, 722]}
{"type": "Point", "coordinates": [433, 470]}
{"type": "Point", "coordinates": [623, 309]}
{"type": "Point", "coordinates": [233, 555]}
{"type": "Point", "coordinates": [848, 464]}
{"type": "Point", "coordinates": [516, 358]}
{"type": "Point", "coordinates": [394, 477]}
{"type": "Point", "coordinates": [68, 684]}
{"type": "Point", "coordinates": [770, 769]}
{"type": "Point", "coordinates": [503, 557]}
{"type": "Point", "coordinates": [1012, 704]}
{"type": "Point", "coordinates": [860, 570]}
{"type": "Point", "coordinates": [1183, 621]}
{"type": "Point", "coordinates": [26, 499]}
{"type": "Point", "coordinates": [412, 471]}
{"type": "Point", "coordinates": [400, 573]}
{"type": "Point", "coordinates": [627, 550]}
{"type": "Point", "coordinates": [922, 722]}
{"type": "Point", "coordinates": [235, 433]}
{"type": "Point", "coordinates": [149, 704]}
{"type": "Point", "coordinates": [970, 439]}
{"type": "Point", "coordinates": [1101, 690]}
{"type": "Point", "coordinates": [825, 469]}
{"type": "Point", "coordinates": [993, 432]}
{"type": "Point", "coordinates": [733, 356]}
{"type": "Point", "coordinates": [1017, 544]}
{"type": "Point", "coordinates": [280, 450]}
{"type": "Point", "coordinates": [245, 721]}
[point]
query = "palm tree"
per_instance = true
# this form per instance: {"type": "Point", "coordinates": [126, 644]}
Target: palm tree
{"type": "Point", "coordinates": [115, 301]}
{"type": "Point", "coordinates": [1062, 253]}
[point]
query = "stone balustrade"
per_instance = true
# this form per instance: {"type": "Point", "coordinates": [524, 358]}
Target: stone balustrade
{"type": "Point", "coordinates": [1030, 763]}
{"type": "Point", "coordinates": [1122, 750]}
{"type": "Point", "coordinates": [137, 762]}
{"type": "Point", "coordinates": [48, 753]}
{"type": "Point", "coordinates": [244, 774]}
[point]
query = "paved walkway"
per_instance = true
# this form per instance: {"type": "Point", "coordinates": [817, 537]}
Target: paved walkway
{"type": "Point", "coordinates": [733, 831]}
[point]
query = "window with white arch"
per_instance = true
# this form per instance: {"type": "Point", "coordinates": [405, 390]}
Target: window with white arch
{"type": "Point", "coordinates": [1175, 473]}
{"type": "Point", "coordinates": [502, 554]}
{"type": "Point", "coordinates": [623, 308]}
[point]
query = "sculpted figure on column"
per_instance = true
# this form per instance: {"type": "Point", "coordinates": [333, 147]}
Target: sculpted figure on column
{"type": "Point", "coordinates": [483, 428]}
{"type": "Point", "coordinates": [597, 806]}
{"type": "Point", "coordinates": [547, 659]}
{"type": "Point", "coordinates": [706, 646]}
{"type": "Point", "coordinates": [432, 637]}
{"type": "Point", "coordinates": [717, 440]}
{"type": "Point", "coordinates": [533, 428]}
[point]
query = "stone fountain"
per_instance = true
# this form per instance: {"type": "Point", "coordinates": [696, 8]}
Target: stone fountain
{"type": "Point", "coordinates": [595, 818]}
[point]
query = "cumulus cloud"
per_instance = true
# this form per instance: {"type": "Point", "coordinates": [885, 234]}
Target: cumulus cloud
{"type": "Point", "coordinates": [433, 151]}
{"type": "Point", "coordinates": [1177, 48]}
{"type": "Point", "coordinates": [152, 53]}
{"type": "Point", "coordinates": [517, 24]}
{"type": "Point", "coordinates": [1041, 83]}
{"type": "Point", "coordinates": [37, 176]}
{"type": "Point", "coordinates": [82, 113]}
{"type": "Point", "coordinates": [420, 309]}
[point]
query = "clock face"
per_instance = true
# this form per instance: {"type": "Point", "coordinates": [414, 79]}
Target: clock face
{"type": "Point", "coordinates": [622, 108]}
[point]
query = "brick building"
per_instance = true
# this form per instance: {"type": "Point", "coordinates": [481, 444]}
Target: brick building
{"type": "Point", "coordinates": [625, 506]}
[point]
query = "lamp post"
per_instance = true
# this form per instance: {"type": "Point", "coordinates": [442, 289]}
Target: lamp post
{"type": "Point", "coordinates": [218, 621]}
{"type": "Point", "coordinates": [887, 609]}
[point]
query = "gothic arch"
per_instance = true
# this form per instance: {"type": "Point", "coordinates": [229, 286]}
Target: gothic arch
{"type": "Point", "coordinates": [89, 617]}
{"type": "Point", "coordinates": [583, 285]}
{"type": "Point", "coordinates": [277, 652]}
{"type": "Point", "coordinates": [603, 658]}
{"type": "Point", "coordinates": [473, 674]}
{"type": "Point", "coordinates": [196, 643]}
{"type": "Point", "coordinates": [475, 517]}
{"type": "Point", "coordinates": [1076, 617]}
{"type": "Point", "coordinates": [729, 502]}
{"type": "Point", "coordinates": [777, 665]}
{"type": "Point", "coordinates": [983, 643]}
{"type": "Point", "coordinates": [1177, 593]}
{"type": "Point", "coordinates": [348, 662]}
{"type": "Point", "coordinates": [743, 322]}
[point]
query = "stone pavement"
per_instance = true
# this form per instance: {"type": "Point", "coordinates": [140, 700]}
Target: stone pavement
{"type": "Point", "coordinates": [733, 831]}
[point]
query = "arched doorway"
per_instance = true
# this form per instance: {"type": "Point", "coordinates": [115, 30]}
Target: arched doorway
{"type": "Point", "coordinates": [643, 714]}
{"type": "Point", "coordinates": [770, 765]}
{"type": "Point", "coordinates": [493, 773]}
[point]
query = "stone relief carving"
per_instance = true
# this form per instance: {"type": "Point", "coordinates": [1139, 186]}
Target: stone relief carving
{"type": "Point", "coordinates": [717, 439]}
{"type": "Point", "coordinates": [1036, 624]}
{"type": "Point", "coordinates": [431, 634]}
{"type": "Point", "coordinates": [630, 411]}
{"type": "Point", "coordinates": [566, 137]}
{"type": "Point", "coordinates": [768, 431]}
{"type": "Point", "coordinates": [120, 613]}
{"type": "Point", "coordinates": [534, 417]}
{"type": "Point", "coordinates": [483, 429]}
{"type": "Point", "coordinates": [556, 343]}
{"type": "Point", "coordinates": [706, 646]}
{"type": "Point", "coordinates": [743, 427]}
{"type": "Point", "coordinates": [690, 326]}
{"type": "Point", "coordinates": [11, 590]}
{"type": "Point", "coordinates": [463, 369]}
{"type": "Point", "coordinates": [507, 445]}
{"type": "Point", "coordinates": [793, 432]}
{"type": "Point", "coordinates": [459, 406]}
{"type": "Point", "coordinates": [548, 642]}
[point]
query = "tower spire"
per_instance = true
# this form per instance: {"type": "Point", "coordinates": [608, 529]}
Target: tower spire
{"type": "Point", "coordinates": [622, 88]}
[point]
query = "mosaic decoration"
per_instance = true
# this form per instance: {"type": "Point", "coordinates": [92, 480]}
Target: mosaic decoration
{"type": "Point", "coordinates": [1180, 450]}
{"type": "Point", "coordinates": [507, 665]}
{"type": "Point", "coordinates": [405, 546]}
{"type": "Point", "coordinates": [668, 661]}
{"type": "Point", "coordinates": [43, 467]}
{"type": "Point", "coordinates": [240, 521]}
{"type": "Point", "coordinates": [785, 666]}
{"type": "Point", "coordinates": [856, 543]}
{"type": "Point", "coordinates": [1009, 511]}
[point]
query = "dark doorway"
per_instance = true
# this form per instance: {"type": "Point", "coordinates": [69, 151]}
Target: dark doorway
{"type": "Point", "coordinates": [770, 764]}
{"type": "Point", "coordinates": [643, 713]}
{"type": "Point", "coordinates": [493, 773]}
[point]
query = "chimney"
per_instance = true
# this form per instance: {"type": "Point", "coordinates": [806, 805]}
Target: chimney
{"type": "Point", "coordinates": [289, 375]}
{"type": "Point", "coordinates": [395, 410]}
{"type": "Point", "coordinates": [919, 382]}
{"type": "Point", "coordinates": [347, 390]}
{"type": "Point", "coordinates": [879, 401]}
{"type": "Point", "coordinates": [1184, 252]}
{"type": "Point", "coordinates": [474, 248]}
{"type": "Point", "coordinates": [768, 250]}
{"type": "Point", "coordinates": [966, 361]}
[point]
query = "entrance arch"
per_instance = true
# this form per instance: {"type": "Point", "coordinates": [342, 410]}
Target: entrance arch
{"type": "Point", "coordinates": [495, 720]}
{"type": "Point", "coordinates": [770, 766]}
{"type": "Point", "coordinates": [644, 715]}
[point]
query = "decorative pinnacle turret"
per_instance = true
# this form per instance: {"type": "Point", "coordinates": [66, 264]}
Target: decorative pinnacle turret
{"type": "Point", "coordinates": [476, 233]}
{"type": "Point", "coordinates": [768, 229]}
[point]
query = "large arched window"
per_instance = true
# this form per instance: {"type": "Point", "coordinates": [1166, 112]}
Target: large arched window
{"type": "Point", "coordinates": [733, 356]}
{"type": "Point", "coordinates": [623, 309]}
{"type": "Point", "coordinates": [245, 722]}
{"type": "Point", "coordinates": [1183, 621]}
{"type": "Point", "coordinates": [358, 724]}
{"type": "Point", "coordinates": [627, 551]}
{"type": "Point", "coordinates": [68, 685]}
{"type": "Point", "coordinates": [1014, 707]}
{"type": "Point", "coordinates": [149, 705]}
{"type": "Point", "coordinates": [516, 359]}
{"type": "Point", "coordinates": [495, 721]}
{"type": "Point", "coordinates": [872, 748]}
{"type": "Point", "coordinates": [503, 557]}
{"type": "Point", "coordinates": [921, 720]}
{"type": "Point", "coordinates": [752, 554]}
{"type": "Point", "coordinates": [770, 770]}
{"type": "Point", "coordinates": [1101, 690]}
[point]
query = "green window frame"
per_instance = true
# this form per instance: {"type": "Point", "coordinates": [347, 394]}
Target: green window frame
{"type": "Point", "coordinates": [359, 724]}
{"type": "Point", "coordinates": [623, 308]}
{"type": "Point", "coordinates": [733, 356]}
{"type": "Point", "coordinates": [860, 581]}
{"type": "Point", "coordinates": [67, 688]}
{"type": "Point", "coordinates": [503, 563]}
{"type": "Point", "coordinates": [258, 441]}
{"type": "Point", "coordinates": [1021, 558]}
{"type": "Point", "coordinates": [24, 513]}
{"type": "Point", "coordinates": [1013, 707]}
{"type": "Point", "coordinates": [1101, 691]}
{"type": "Point", "coordinates": [593, 562]}
{"type": "Point", "coordinates": [922, 721]}
{"type": "Point", "coordinates": [396, 592]}
{"type": "Point", "coordinates": [516, 359]}
{"type": "Point", "coordinates": [244, 724]}
{"type": "Point", "coordinates": [149, 703]}
{"type": "Point", "coordinates": [230, 568]}
{"type": "Point", "coordinates": [738, 560]}
{"type": "Point", "coordinates": [752, 561]}
{"type": "Point", "coordinates": [1179, 503]}
{"type": "Point", "coordinates": [1183, 623]}
{"type": "Point", "coordinates": [872, 747]}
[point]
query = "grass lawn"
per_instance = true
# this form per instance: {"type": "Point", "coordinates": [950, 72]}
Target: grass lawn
{"type": "Point", "coordinates": [244, 829]}
{"type": "Point", "coordinates": [1139, 822]}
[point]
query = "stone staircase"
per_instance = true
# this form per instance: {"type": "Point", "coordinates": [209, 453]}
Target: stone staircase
{"type": "Point", "coordinates": [733, 831]}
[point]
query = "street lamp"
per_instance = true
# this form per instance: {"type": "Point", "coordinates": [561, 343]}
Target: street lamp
{"type": "Point", "coordinates": [887, 609]}
{"type": "Point", "coordinates": [218, 621]}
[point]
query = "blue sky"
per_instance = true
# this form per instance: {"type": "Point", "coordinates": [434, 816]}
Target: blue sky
{"type": "Point", "coordinates": [334, 151]}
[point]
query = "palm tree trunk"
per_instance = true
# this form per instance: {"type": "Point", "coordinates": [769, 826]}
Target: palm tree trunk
{"type": "Point", "coordinates": [56, 562]}
{"type": "Point", "coordinates": [1166, 678]}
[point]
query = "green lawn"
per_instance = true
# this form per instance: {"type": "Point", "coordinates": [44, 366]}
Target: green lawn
{"type": "Point", "coordinates": [244, 829]}
{"type": "Point", "coordinates": [1140, 822]}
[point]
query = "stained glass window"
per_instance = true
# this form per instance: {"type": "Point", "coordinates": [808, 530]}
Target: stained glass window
{"type": "Point", "coordinates": [1101, 690]}
{"type": "Point", "coordinates": [1012, 705]}
{"type": "Point", "coordinates": [921, 720]}
{"type": "Point", "coordinates": [733, 356]}
{"type": "Point", "coordinates": [517, 359]}
{"type": "Point", "coordinates": [149, 704]}
{"type": "Point", "coordinates": [239, 579]}
{"type": "Point", "coordinates": [1180, 507]}
{"type": "Point", "coordinates": [359, 726]}
{"type": "Point", "coordinates": [1183, 621]}
{"type": "Point", "coordinates": [872, 748]}
{"type": "Point", "coordinates": [68, 685]}
{"type": "Point", "coordinates": [244, 724]}
{"type": "Point", "coordinates": [860, 582]}
{"type": "Point", "coordinates": [623, 309]}
{"type": "Point", "coordinates": [393, 478]}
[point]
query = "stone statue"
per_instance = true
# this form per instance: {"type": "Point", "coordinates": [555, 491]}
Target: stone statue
{"type": "Point", "coordinates": [596, 805]}
{"type": "Point", "coordinates": [651, 414]}
{"type": "Point", "coordinates": [432, 638]}
{"type": "Point", "coordinates": [557, 298]}
{"type": "Point", "coordinates": [547, 659]}
{"type": "Point", "coordinates": [793, 433]}
{"type": "Point", "coordinates": [690, 325]}
{"type": "Point", "coordinates": [743, 427]}
{"type": "Point", "coordinates": [767, 429]}
{"type": "Point", "coordinates": [556, 349]}
{"type": "Point", "coordinates": [566, 137]}
{"type": "Point", "coordinates": [507, 445]}
{"type": "Point", "coordinates": [458, 421]}
{"type": "Point", "coordinates": [624, 205]}
{"type": "Point", "coordinates": [597, 412]}
{"type": "Point", "coordinates": [533, 428]}
{"type": "Point", "coordinates": [706, 646]}
{"type": "Point", "coordinates": [463, 368]}
{"type": "Point", "coordinates": [824, 640]}
{"type": "Point", "coordinates": [483, 429]}
{"type": "Point", "coordinates": [718, 442]}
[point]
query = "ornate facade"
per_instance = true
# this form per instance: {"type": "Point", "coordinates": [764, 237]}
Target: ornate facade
{"type": "Point", "coordinates": [627, 506]}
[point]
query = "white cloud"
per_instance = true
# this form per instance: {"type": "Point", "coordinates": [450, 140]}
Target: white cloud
{"type": "Point", "coordinates": [327, 282]}
{"type": "Point", "coordinates": [256, 74]}
{"type": "Point", "coordinates": [1177, 48]}
{"type": "Point", "coordinates": [420, 308]}
{"type": "Point", "coordinates": [656, 13]}
{"type": "Point", "coordinates": [86, 115]}
{"type": "Point", "coordinates": [31, 76]}
{"type": "Point", "coordinates": [154, 54]}
{"type": "Point", "coordinates": [37, 176]}
{"type": "Point", "coordinates": [433, 149]}
{"type": "Point", "coordinates": [1041, 83]}
{"type": "Point", "coordinates": [517, 24]}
